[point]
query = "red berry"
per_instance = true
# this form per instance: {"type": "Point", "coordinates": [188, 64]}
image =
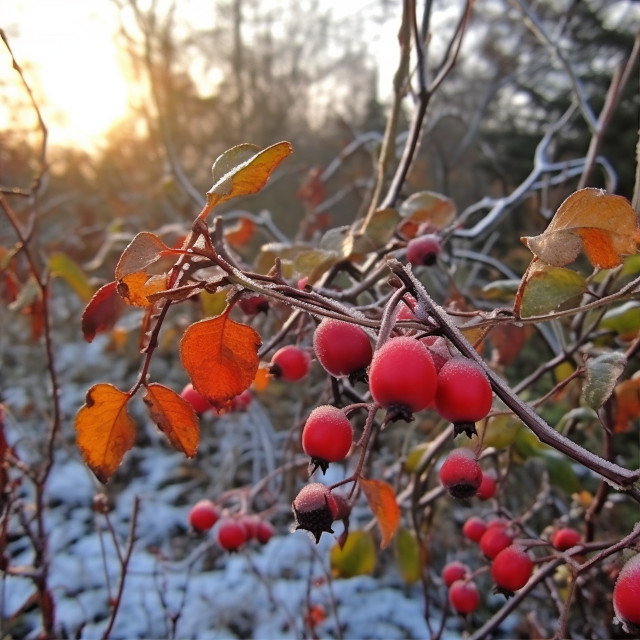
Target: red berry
{"type": "Point", "coordinates": [474, 528]}
{"type": "Point", "coordinates": [203, 515]}
{"type": "Point", "coordinates": [341, 348]}
{"type": "Point", "coordinates": [487, 488]}
{"type": "Point", "coordinates": [290, 363]}
{"type": "Point", "coordinates": [253, 303]}
{"type": "Point", "coordinates": [626, 595]}
{"type": "Point", "coordinates": [564, 539]}
{"type": "Point", "coordinates": [327, 436]}
{"type": "Point", "coordinates": [199, 403]}
{"type": "Point", "coordinates": [406, 309]}
{"type": "Point", "coordinates": [463, 395]}
{"type": "Point", "coordinates": [250, 524]}
{"type": "Point", "coordinates": [402, 377]}
{"type": "Point", "coordinates": [231, 534]}
{"type": "Point", "coordinates": [424, 249]}
{"type": "Point", "coordinates": [242, 401]}
{"type": "Point", "coordinates": [511, 568]}
{"type": "Point", "coordinates": [454, 571]}
{"type": "Point", "coordinates": [315, 508]}
{"type": "Point", "coordinates": [264, 532]}
{"type": "Point", "coordinates": [494, 540]}
{"type": "Point", "coordinates": [464, 596]}
{"type": "Point", "coordinates": [461, 474]}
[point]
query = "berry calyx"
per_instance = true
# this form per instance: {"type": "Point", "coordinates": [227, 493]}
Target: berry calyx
{"type": "Point", "coordinates": [565, 538]}
{"type": "Point", "coordinates": [454, 571]}
{"type": "Point", "coordinates": [626, 595]}
{"type": "Point", "coordinates": [460, 473]}
{"type": "Point", "coordinates": [315, 508]}
{"type": "Point", "coordinates": [290, 363]}
{"type": "Point", "coordinates": [424, 249]}
{"type": "Point", "coordinates": [474, 528]}
{"type": "Point", "coordinates": [231, 534]}
{"type": "Point", "coordinates": [494, 540]}
{"type": "Point", "coordinates": [342, 348]}
{"type": "Point", "coordinates": [464, 596]}
{"type": "Point", "coordinates": [203, 515]}
{"type": "Point", "coordinates": [402, 377]}
{"type": "Point", "coordinates": [463, 395]}
{"type": "Point", "coordinates": [197, 401]}
{"type": "Point", "coordinates": [327, 436]}
{"type": "Point", "coordinates": [511, 568]}
{"type": "Point", "coordinates": [487, 488]}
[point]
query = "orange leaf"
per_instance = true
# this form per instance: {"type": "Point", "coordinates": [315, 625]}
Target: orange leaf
{"type": "Point", "coordinates": [241, 232]}
{"type": "Point", "coordinates": [244, 170]}
{"type": "Point", "coordinates": [605, 225]}
{"type": "Point", "coordinates": [382, 502]}
{"type": "Point", "coordinates": [627, 395]}
{"type": "Point", "coordinates": [220, 356]}
{"type": "Point", "coordinates": [102, 312]}
{"type": "Point", "coordinates": [262, 379]}
{"type": "Point", "coordinates": [136, 287]}
{"type": "Point", "coordinates": [174, 416]}
{"type": "Point", "coordinates": [145, 253]}
{"type": "Point", "coordinates": [104, 429]}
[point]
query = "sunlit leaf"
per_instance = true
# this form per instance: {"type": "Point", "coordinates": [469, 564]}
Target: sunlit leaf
{"type": "Point", "coordinates": [498, 431]}
{"type": "Point", "coordinates": [382, 502]}
{"type": "Point", "coordinates": [544, 288]}
{"type": "Point", "coordinates": [174, 416]}
{"type": "Point", "coordinates": [220, 356]}
{"type": "Point", "coordinates": [381, 226]}
{"type": "Point", "coordinates": [425, 208]}
{"type": "Point", "coordinates": [415, 456]}
{"type": "Point", "coordinates": [604, 225]}
{"type": "Point", "coordinates": [136, 288]}
{"type": "Point", "coordinates": [104, 429]}
{"type": "Point", "coordinates": [411, 557]}
{"type": "Point", "coordinates": [146, 253]}
{"type": "Point", "coordinates": [357, 557]}
{"type": "Point", "coordinates": [102, 312]}
{"type": "Point", "coordinates": [62, 266]}
{"type": "Point", "coordinates": [244, 170]}
{"type": "Point", "coordinates": [627, 395]}
{"type": "Point", "coordinates": [603, 372]}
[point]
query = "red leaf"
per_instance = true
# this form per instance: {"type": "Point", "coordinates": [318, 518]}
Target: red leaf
{"type": "Point", "coordinates": [102, 312]}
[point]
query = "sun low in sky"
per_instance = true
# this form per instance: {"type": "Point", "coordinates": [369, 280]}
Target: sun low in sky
{"type": "Point", "coordinates": [70, 60]}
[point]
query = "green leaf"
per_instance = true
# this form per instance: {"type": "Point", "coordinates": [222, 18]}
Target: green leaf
{"type": "Point", "coordinates": [213, 304]}
{"type": "Point", "coordinates": [409, 556]}
{"type": "Point", "coordinates": [546, 288]}
{"type": "Point", "coordinates": [426, 207]}
{"type": "Point", "coordinates": [602, 376]}
{"type": "Point", "coordinates": [62, 266]}
{"type": "Point", "coordinates": [561, 473]}
{"type": "Point", "coordinates": [500, 290]}
{"type": "Point", "coordinates": [624, 319]}
{"type": "Point", "coordinates": [381, 227]}
{"type": "Point", "coordinates": [356, 558]}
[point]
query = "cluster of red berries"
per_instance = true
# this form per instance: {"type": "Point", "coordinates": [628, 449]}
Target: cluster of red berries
{"type": "Point", "coordinates": [232, 532]}
{"type": "Point", "coordinates": [201, 405]}
{"type": "Point", "coordinates": [463, 593]}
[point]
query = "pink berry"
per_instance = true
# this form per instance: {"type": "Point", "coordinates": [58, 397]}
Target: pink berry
{"type": "Point", "coordinates": [342, 348]}
{"type": "Point", "coordinates": [290, 363]}
{"type": "Point", "coordinates": [626, 595]}
{"type": "Point", "coordinates": [231, 534]}
{"type": "Point", "coordinates": [565, 538]}
{"type": "Point", "coordinates": [199, 403]}
{"type": "Point", "coordinates": [424, 250]}
{"type": "Point", "coordinates": [203, 515]}
{"type": "Point", "coordinates": [464, 596]}
{"type": "Point", "coordinates": [460, 473]}
{"type": "Point", "coordinates": [474, 528]}
{"type": "Point", "coordinates": [454, 571]}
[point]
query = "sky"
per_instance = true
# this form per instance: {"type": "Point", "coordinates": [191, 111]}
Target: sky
{"type": "Point", "coordinates": [67, 49]}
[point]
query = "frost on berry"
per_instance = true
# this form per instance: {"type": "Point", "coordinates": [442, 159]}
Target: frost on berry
{"type": "Point", "coordinates": [461, 474]}
{"type": "Point", "coordinates": [315, 508]}
{"type": "Point", "coordinates": [626, 596]}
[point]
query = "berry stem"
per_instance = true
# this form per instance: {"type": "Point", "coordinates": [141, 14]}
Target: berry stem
{"type": "Point", "coordinates": [624, 478]}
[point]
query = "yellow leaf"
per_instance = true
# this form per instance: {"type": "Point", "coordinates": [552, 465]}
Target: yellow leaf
{"type": "Point", "coordinates": [355, 558]}
{"type": "Point", "coordinates": [174, 416]}
{"type": "Point", "coordinates": [221, 357]}
{"type": "Point", "coordinates": [136, 288]}
{"type": "Point", "coordinates": [605, 225]}
{"type": "Point", "coordinates": [104, 429]}
{"type": "Point", "coordinates": [382, 502]}
{"type": "Point", "coordinates": [244, 170]}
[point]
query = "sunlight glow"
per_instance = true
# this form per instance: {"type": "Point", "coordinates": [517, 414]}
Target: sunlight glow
{"type": "Point", "coordinates": [70, 60]}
